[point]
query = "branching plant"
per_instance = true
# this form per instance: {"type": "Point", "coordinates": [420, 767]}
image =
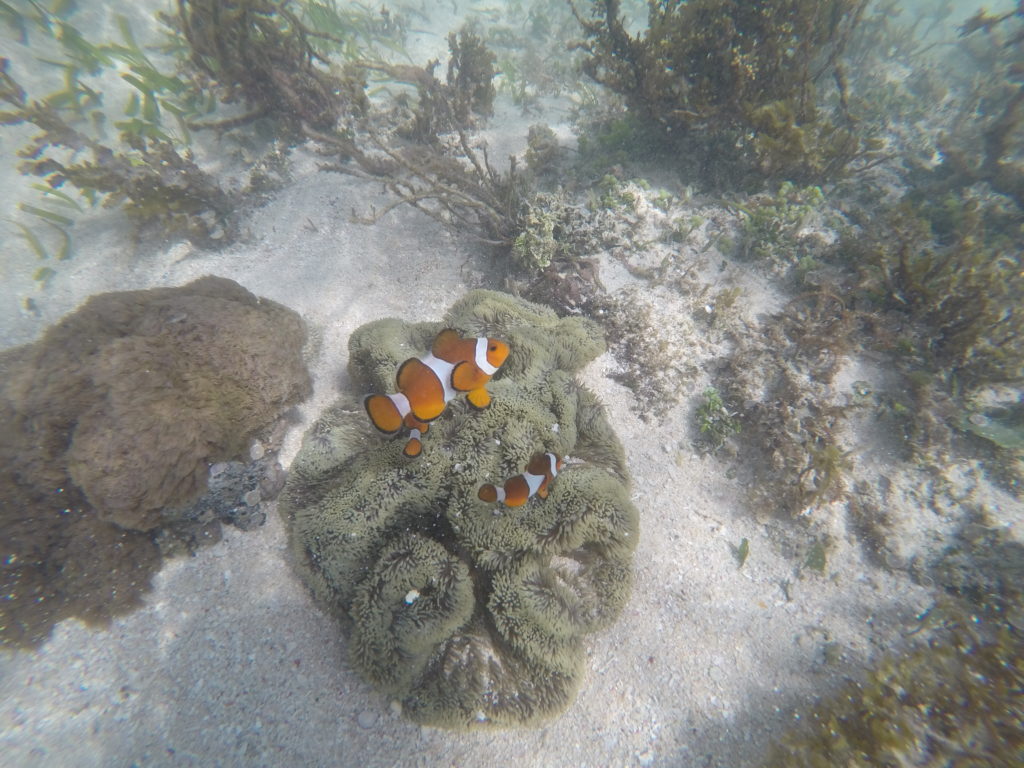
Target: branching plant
{"type": "Point", "coordinates": [735, 83]}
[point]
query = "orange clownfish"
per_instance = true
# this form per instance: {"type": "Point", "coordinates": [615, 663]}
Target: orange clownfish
{"type": "Point", "coordinates": [427, 384]}
{"type": "Point", "coordinates": [539, 473]}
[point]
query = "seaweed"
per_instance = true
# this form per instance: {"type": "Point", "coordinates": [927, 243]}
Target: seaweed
{"type": "Point", "coordinates": [441, 173]}
{"type": "Point", "coordinates": [824, 475]}
{"type": "Point", "coordinates": [156, 184]}
{"type": "Point", "coordinates": [729, 88]}
{"type": "Point", "coordinates": [791, 416]}
{"type": "Point", "coordinates": [715, 422]}
{"type": "Point", "coordinates": [955, 269]}
{"type": "Point", "coordinates": [953, 699]}
{"type": "Point", "coordinates": [774, 228]}
{"type": "Point", "coordinates": [983, 145]}
{"type": "Point", "coordinates": [259, 52]}
{"type": "Point", "coordinates": [953, 702]}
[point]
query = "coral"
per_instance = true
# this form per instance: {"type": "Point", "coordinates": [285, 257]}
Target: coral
{"type": "Point", "coordinates": [467, 613]}
{"type": "Point", "coordinates": [730, 87]}
{"type": "Point", "coordinates": [108, 426]}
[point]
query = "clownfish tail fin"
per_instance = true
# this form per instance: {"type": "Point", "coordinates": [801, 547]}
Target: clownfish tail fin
{"type": "Point", "coordinates": [414, 447]}
{"type": "Point", "coordinates": [383, 413]}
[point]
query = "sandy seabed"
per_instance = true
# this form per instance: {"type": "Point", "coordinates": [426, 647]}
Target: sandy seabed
{"type": "Point", "coordinates": [230, 663]}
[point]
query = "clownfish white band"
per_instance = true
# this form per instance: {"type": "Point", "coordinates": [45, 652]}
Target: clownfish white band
{"type": "Point", "coordinates": [481, 357]}
{"type": "Point", "coordinates": [401, 403]}
{"type": "Point", "coordinates": [552, 463]}
{"type": "Point", "coordinates": [443, 370]}
{"type": "Point", "coordinates": [533, 483]}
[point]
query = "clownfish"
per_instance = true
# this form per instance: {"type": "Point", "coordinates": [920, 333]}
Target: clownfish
{"type": "Point", "coordinates": [427, 384]}
{"type": "Point", "coordinates": [539, 473]}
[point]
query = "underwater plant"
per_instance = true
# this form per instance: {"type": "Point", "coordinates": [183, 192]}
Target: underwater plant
{"type": "Point", "coordinates": [157, 185]}
{"type": "Point", "coordinates": [108, 427]}
{"type": "Point", "coordinates": [468, 613]}
{"type": "Point", "coordinates": [955, 268]}
{"type": "Point", "coordinates": [261, 53]}
{"type": "Point", "coordinates": [953, 702]}
{"type": "Point", "coordinates": [824, 474]}
{"type": "Point", "coordinates": [770, 225]}
{"type": "Point", "coordinates": [953, 699]}
{"type": "Point", "coordinates": [442, 173]}
{"type": "Point", "coordinates": [791, 415]}
{"type": "Point", "coordinates": [984, 143]}
{"type": "Point", "coordinates": [714, 421]}
{"type": "Point", "coordinates": [547, 232]}
{"type": "Point", "coordinates": [730, 89]}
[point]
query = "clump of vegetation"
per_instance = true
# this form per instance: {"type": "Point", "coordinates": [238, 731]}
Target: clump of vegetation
{"type": "Point", "coordinates": [530, 43]}
{"type": "Point", "coordinates": [732, 87]}
{"type": "Point", "coordinates": [771, 226]}
{"type": "Point", "coordinates": [538, 244]}
{"type": "Point", "coordinates": [543, 153]}
{"type": "Point", "coordinates": [443, 174]}
{"type": "Point", "coordinates": [612, 194]}
{"type": "Point", "coordinates": [155, 183]}
{"type": "Point", "coordinates": [650, 362]}
{"type": "Point", "coordinates": [953, 702]}
{"type": "Point", "coordinates": [715, 422]}
{"type": "Point", "coordinates": [470, 75]}
{"type": "Point", "coordinates": [954, 269]}
{"type": "Point", "coordinates": [824, 476]}
{"type": "Point", "coordinates": [442, 107]}
{"type": "Point", "coordinates": [792, 417]}
{"type": "Point", "coordinates": [955, 699]}
{"type": "Point", "coordinates": [260, 52]}
{"type": "Point", "coordinates": [984, 142]}
{"type": "Point", "coordinates": [458, 186]}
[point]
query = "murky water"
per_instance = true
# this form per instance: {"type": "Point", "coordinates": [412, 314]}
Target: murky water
{"type": "Point", "coordinates": [731, 477]}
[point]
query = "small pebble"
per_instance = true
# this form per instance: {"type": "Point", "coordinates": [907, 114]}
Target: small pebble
{"type": "Point", "coordinates": [367, 719]}
{"type": "Point", "coordinates": [257, 451]}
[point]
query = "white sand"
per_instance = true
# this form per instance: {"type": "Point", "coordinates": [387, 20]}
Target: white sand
{"type": "Point", "coordinates": [230, 663]}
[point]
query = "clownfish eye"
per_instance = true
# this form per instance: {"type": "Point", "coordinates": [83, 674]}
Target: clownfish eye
{"type": "Point", "coordinates": [493, 348]}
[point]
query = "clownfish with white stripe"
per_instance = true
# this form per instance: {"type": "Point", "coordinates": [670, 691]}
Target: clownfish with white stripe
{"type": "Point", "coordinates": [539, 473]}
{"type": "Point", "coordinates": [427, 384]}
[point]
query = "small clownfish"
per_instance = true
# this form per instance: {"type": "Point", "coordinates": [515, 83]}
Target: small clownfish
{"type": "Point", "coordinates": [427, 384]}
{"type": "Point", "coordinates": [542, 469]}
